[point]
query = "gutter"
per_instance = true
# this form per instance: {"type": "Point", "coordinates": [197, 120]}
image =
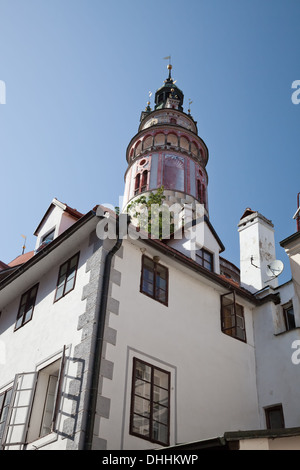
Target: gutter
{"type": "Point", "coordinates": [88, 429]}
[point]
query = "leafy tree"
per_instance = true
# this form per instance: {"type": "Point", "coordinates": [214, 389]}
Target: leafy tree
{"type": "Point", "coordinates": [153, 216]}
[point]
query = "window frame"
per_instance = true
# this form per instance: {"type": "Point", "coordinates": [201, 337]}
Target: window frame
{"type": "Point", "coordinates": [285, 308]}
{"type": "Point", "coordinates": [154, 296]}
{"type": "Point", "coordinates": [45, 237]}
{"type": "Point", "coordinates": [68, 262]}
{"type": "Point", "coordinates": [141, 182]}
{"type": "Point", "coordinates": [267, 415]}
{"type": "Point", "coordinates": [235, 326]}
{"type": "Point", "coordinates": [200, 257]}
{"type": "Point", "coordinates": [31, 390]}
{"type": "Point", "coordinates": [26, 306]}
{"type": "Point", "coordinates": [151, 400]}
{"type": "Point", "coordinates": [4, 405]}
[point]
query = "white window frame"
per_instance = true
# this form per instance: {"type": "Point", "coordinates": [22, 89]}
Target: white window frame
{"type": "Point", "coordinates": [26, 408]}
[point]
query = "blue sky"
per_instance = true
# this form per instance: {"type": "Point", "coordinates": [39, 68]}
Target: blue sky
{"type": "Point", "coordinates": [77, 76]}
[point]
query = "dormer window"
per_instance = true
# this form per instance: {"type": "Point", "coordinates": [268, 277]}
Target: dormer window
{"type": "Point", "coordinates": [45, 240]}
{"type": "Point", "coordinates": [205, 259]}
{"type": "Point", "coordinates": [49, 237]}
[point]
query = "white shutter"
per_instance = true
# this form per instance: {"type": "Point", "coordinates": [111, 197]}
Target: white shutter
{"type": "Point", "coordinates": [58, 392]}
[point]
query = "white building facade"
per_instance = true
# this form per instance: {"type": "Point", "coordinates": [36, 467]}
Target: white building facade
{"type": "Point", "coordinates": [113, 340]}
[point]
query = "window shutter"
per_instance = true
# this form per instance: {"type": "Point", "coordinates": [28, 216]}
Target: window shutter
{"type": "Point", "coordinates": [58, 392]}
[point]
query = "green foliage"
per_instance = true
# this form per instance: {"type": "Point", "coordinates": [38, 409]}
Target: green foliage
{"type": "Point", "coordinates": [153, 216]}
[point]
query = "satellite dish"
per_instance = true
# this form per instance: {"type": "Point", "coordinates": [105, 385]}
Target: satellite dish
{"type": "Point", "coordinates": [275, 268]}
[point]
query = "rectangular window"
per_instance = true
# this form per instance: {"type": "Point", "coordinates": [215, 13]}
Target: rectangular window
{"type": "Point", "coordinates": [289, 317]}
{"type": "Point", "coordinates": [154, 280]}
{"type": "Point", "coordinates": [48, 237]}
{"type": "Point", "coordinates": [34, 405]}
{"type": "Point", "coordinates": [150, 403]}
{"type": "Point", "coordinates": [232, 317]}
{"type": "Point", "coordinates": [66, 277]}
{"type": "Point", "coordinates": [26, 307]}
{"type": "Point", "coordinates": [274, 417]}
{"type": "Point", "coordinates": [205, 259]}
{"type": "Point", "coordinates": [4, 404]}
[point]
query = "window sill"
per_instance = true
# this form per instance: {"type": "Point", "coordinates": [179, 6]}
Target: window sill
{"type": "Point", "coordinates": [42, 441]}
{"type": "Point", "coordinates": [287, 331]}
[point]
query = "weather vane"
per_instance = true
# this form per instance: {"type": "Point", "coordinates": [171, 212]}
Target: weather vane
{"type": "Point", "coordinates": [148, 102]}
{"type": "Point", "coordinates": [189, 110]}
{"type": "Point", "coordinates": [24, 245]}
{"type": "Point", "coordinates": [169, 67]}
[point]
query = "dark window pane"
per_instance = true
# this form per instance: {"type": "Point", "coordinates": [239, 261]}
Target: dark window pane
{"type": "Point", "coordinates": [66, 278]}
{"type": "Point", "coordinates": [274, 417]}
{"type": "Point", "coordinates": [154, 280]}
{"type": "Point", "coordinates": [289, 318]}
{"type": "Point", "coordinates": [26, 307]}
{"type": "Point", "coordinates": [148, 282]}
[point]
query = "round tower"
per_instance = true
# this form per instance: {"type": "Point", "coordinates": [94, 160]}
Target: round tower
{"type": "Point", "coordinates": [167, 151]}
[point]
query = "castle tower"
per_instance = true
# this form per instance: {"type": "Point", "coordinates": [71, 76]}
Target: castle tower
{"type": "Point", "coordinates": [167, 151]}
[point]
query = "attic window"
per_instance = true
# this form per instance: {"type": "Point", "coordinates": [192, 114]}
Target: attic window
{"type": "Point", "coordinates": [49, 237]}
{"type": "Point", "coordinates": [205, 259]}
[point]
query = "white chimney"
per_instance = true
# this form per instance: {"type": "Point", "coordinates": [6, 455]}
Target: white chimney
{"type": "Point", "coordinates": [257, 251]}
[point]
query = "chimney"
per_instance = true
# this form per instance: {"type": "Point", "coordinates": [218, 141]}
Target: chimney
{"type": "Point", "coordinates": [257, 250]}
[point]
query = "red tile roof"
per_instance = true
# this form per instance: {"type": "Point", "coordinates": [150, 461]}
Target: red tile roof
{"type": "Point", "coordinates": [21, 259]}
